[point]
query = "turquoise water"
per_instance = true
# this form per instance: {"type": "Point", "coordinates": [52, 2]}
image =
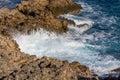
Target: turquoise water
{"type": "Point", "coordinates": [96, 45]}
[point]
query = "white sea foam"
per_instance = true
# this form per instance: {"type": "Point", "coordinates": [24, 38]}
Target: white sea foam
{"type": "Point", "coordinates": [65, 47]}
{"type": "Point", "coordinates": [78, 20]}
{"type": "Point", "coordinates": [73, 45]}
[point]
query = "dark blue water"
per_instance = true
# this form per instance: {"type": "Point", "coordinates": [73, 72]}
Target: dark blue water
{"type": "Point", "coordinates": [106, 28]}
{"type": "Point", "coordinates": [9, 3]}
{"type": "Point", "coordinates": [102, 39]}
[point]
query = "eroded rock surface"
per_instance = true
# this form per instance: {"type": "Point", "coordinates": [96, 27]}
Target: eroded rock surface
{"type": "Point", "coordinates": [35, 14]}
{"type": "Point", "coordinates": [47, 69]}
{"type": "Point", "coordinates": [16, 65]}
{"type": "Point", "coordinates": [29, 15]}
{"type": "Point", "coordinates": [10, 55]}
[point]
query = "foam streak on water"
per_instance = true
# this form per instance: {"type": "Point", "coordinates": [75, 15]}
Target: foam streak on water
{"type": "Point", "coordinates": [96, 45]}
{"type": "Point", "coordinates": [69, 46]}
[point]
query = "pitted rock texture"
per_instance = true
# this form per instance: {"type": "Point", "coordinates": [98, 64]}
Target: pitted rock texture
{"type": "Point", "coordinates": [16, 65]}
{"type": "Point", "coordinates": [10, 55]}
{"type": "Point", "coordinates": [34, 14]}
{"type": "Point", "coordinates": [48, 69]}
{"type": "Point", "coordinates": [67, 6]}
{"type": "Point", "coordinates": [30, 15]}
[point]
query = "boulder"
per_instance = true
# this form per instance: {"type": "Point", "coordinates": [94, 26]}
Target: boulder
{"type": "Point", "coordinates": [10, 56]}
{"type": "Point", "coordinates": [11, 18]}
{"type": "Point", "coordinates": [35, 14]}
{"type": "Point", "coordinates": [16, 65]}
{"type": "Point", "coordinates": [31, 15]}
{"type": "Point", "coordinates": [47, 68]}
{"type": "Point", "coordinates": [67, 6]}
{"type": "Point", "coordinates": [116, 70]}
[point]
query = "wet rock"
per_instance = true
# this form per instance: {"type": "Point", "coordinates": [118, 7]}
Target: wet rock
{"type": "Point", "coordinates": [30, 15]}
{"type": "Point", "coordinates": [71, 22]}
{"type": "Point", "coordinates": [116, 70]}
{"type": "Point", "coordinates": [110, 77]}
{"type": "Point", "coordinates": [84, 78]}
{"type": "Point", "coordinates": [113, 75]}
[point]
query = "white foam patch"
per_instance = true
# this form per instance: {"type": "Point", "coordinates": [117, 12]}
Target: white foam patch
{"type": "Point", "coordinates": [65, 47]}
{"type": "Point", "coordinates": [78, 20]}
{"type": "Point", "coordinates": [73, 45]}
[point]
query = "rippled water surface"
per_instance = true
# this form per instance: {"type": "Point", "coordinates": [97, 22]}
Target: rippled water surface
{"type": "Point", "coordinates": [96, 45]}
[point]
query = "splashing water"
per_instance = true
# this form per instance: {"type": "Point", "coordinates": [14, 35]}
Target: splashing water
{"type": "Point", "coordinates": [69, 46]}
{"type": "Point", "coordinates": [96, 45]}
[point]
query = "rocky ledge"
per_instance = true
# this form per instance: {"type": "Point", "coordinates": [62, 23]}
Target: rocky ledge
{"type": "Point", "coordinates": [35, 14]}
{"type": "Point", "coordinates": [16, 65]}
{"type": "Point", "coordinates": [31, 15]}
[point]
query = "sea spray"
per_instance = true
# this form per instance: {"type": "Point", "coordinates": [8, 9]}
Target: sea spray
{"type": "Point", "coordinates": [95, 45]}
{"type": "Point", "coordinates": [69, 46]}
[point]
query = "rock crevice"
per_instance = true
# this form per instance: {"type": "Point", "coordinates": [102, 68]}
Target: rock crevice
{"type": "Point", "coordinates": [35, 14]}
{"type": "Point", "coordinates": [30, 15]}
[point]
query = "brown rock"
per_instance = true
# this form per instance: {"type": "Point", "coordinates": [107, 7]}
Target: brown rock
{"type": "Point", "coordinates": [46, 69]}
{"type": "Point", "coordinates": [35, 14]}
{"type": "Point", "coordinates": [10, 56]}
{"type": "Point", "coordinates": [16, 65]}
{"type": "Point", "coordinates": [81, 69]}
{"type": "Point", "coordinates": [3, 31]}
{"type": "Point", "coordinates": [30, 15]}
{"type": "Point", "coordinates": [39, 15]}
{"type": "Point", "coordinates": [6, 67]}
{"type": "Point", "coordinates": [8, 44]}
{"type": "Point", "coordinates": [116, 70]}
{"type": "Point", "coordinates": [67, 6]}
{"type": "Point", "coordinates": [32, 7]}
{"type": "Point", "coordinates": [11, 18]}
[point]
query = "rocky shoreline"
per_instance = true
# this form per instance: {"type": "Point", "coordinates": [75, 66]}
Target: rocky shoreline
{"type": "Point", "coordinates": [32, 15]}
{"type": "Point", "coordinates": [16, 65]}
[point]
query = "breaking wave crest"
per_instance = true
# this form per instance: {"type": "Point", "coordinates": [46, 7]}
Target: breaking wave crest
{"type": "Point", "coordinates": [69, 46]}
{"type": "Point", "coordinates": [95, 44]}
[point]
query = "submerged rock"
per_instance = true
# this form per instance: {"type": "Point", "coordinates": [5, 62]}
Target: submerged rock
{"type": "Point", "coordinates": [113, 75]}
{"type": "Point", "coordinates": [116, 70]}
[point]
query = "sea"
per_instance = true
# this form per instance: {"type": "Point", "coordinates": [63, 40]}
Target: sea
{"type": "Point", "coordinates": [96, 44]}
